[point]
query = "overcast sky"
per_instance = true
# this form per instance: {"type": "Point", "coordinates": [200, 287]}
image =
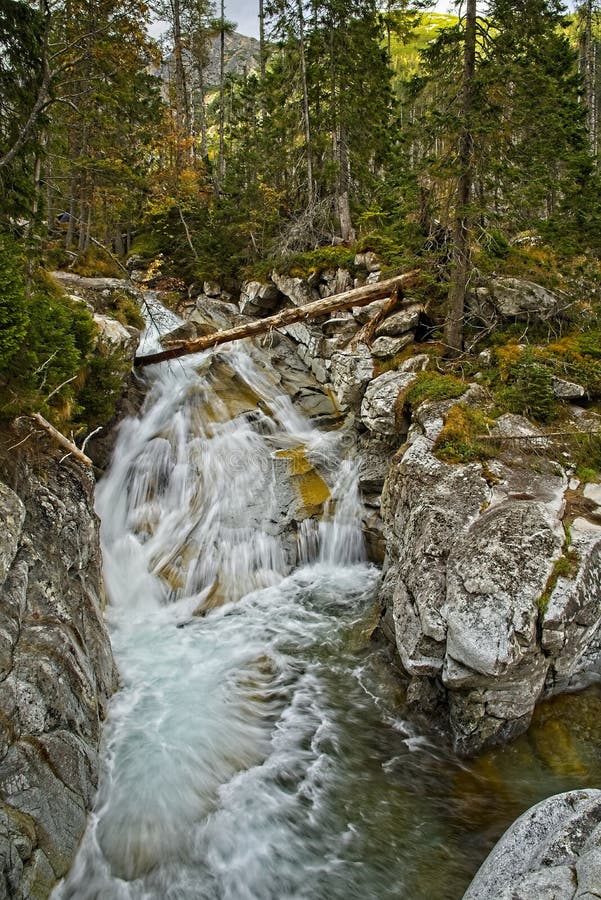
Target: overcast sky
{"type": "Point", "coordinates": [246, 14]}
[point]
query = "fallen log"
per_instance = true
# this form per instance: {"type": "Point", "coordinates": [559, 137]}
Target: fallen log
{"type": "Point", "coordinates": [361, 296]}
{"type": "Point", "coordinates": [60, 439]}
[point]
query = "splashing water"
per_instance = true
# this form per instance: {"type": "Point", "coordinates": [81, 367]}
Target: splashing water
{"type": "Point", "coordinates": [255, 750]}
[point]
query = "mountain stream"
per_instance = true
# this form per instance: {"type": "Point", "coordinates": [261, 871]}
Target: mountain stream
{"type": "Point", "coordinates": [258, 748]}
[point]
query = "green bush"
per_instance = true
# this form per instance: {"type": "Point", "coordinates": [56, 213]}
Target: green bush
{"type": "Point", "coordinates": [47, 363]}
{"type": "Point", "coordinates": [98, 398]}
{"type": "Point", "coordinates": [528, 389]}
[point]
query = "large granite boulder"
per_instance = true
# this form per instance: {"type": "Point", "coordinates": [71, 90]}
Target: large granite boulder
{"type": "Point", "coordinates": [552, 852]}
{"type": "Point", "coordinates": [56, 673]}
{"type": "Point", "coordinates": [471, 591]}
{"type": "Point", "coordinates": [351, 371]}
{"type": "Point", "coordinates": [113, 337]}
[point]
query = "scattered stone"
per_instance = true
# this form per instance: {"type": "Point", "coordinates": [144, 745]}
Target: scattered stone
{"type": "Point", "coordinates": [368, 261]}
{"type": "Point", "coordinates": [515, 298]}
{"type": "Point", "coordinates": [113, 337]}
{"type": "Point", "coordinates": [567, 390]}
{"type": "Point", "coordinates": [418, 363]}
{"type": "Point", "coordinates": [211, 289]}
{"type": "Point", "coordinates": [400, 322]}
{"type": "Point", "coordinates": [341, 328]}
{"type": "Point", "coordinates": [593, 492]}
{"type": "Point", "coordinates": [257, 299]}
{"type": "Point", "coordinates": [387, 347]}
{"type": "Point", "coordinates": [296, 289]}
{"type": "Point", "coordinates": [351, 372]}
{"type": "Point", "coordinates": [216, 313]}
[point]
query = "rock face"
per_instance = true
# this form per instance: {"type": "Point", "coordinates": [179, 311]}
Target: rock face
{"type": "Point", "coordinates": [469, 591]}
{"type": "Point", "coordinates": [552, 852]}
{"type": "Point", "coordinates": [56, 673]}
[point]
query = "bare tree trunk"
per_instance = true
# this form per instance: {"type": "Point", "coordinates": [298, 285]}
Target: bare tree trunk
{"type": "Point", "coordinates": [589, 72]}
{"type": "Point", "coordinates": [204, 141]}
{"type": "Point", "coordinates": [181, 92]}
{"type": "Point", "coordinates": [262, 48]}
{"type": "Point", "coordinates": [453, 334]}
{"type": "Point", "coordinates": [306, 115]}
{"type": "Point", "coordinates": [222, 95]}
{"type": "Point", "coordinates": [347, 231]}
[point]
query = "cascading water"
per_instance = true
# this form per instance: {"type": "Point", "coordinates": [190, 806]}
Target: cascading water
{"type": "Point", "coordinates": [255, 751]}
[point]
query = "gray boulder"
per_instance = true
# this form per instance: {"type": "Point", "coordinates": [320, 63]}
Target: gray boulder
{"type": "Point", "coordinates": [387, 347]}
{"type": "Point", "coordinates": [257, 299]}
{"type": "Point", "coordinates": [378, 412]}
{"type": "Point", "coordinates": [297, 290]}
{"type": "Point", "coordinates": [368, 261]}
{"type": "Point", "coordinates": [351, 371]}
{"type": "Point", "coordinates": [567, 390]}
{"type": "Point", "coordinates": [400, 322]}
{"type": "Point", "coordinates": [552, 852]}
{"type": "Point", "coordinates": [515, 298]}
{"type": "Point", "coordinates": [113, 337]}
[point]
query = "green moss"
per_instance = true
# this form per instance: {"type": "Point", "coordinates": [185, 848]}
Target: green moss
{"type": "Point", "coordinates": [301, 265]}
{"type": "Point", "coordinates": [434, 386]}
{"type": "Point", "coordinates": [126, 310]}
{"type": "Point", "coordinates": [460, 439]}
{"type": "Point", "coordinates": [146, 244]}
{"type": "Point", "coordinates": [564, 567]}
{"type": "Point", "coordinates": [96, 263]}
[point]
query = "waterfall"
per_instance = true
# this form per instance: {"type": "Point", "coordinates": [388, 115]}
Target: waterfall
{"type": "Point", "coordinates": [233, 553]}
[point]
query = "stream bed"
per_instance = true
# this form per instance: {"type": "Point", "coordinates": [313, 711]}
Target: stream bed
{"type": "Point", "coordinates": [259, 747]}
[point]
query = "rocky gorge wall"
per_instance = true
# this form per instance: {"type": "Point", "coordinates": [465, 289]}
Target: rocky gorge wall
{"type": "Point", "coordinates": [56, 670]}
{"type": "Point", "coordinates": [56, 666]}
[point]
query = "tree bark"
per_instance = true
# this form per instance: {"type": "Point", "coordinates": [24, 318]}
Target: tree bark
{"type": "Point", "coordinates": [361, 296]}
{"type": "Point", "coordinates": [453, 334]}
